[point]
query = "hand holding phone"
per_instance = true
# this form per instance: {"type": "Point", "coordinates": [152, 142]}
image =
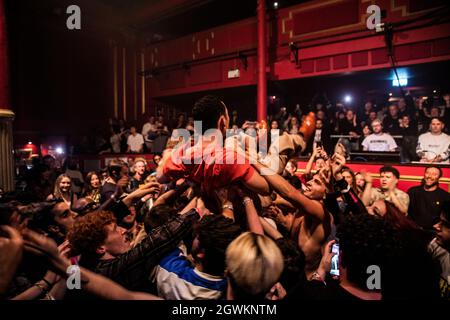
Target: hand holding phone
{"type": "Point", "coordinates": [335, 260]}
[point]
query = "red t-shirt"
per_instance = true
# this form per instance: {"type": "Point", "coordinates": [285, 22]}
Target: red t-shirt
{"type": "Point", "coordinates": [212, 172]}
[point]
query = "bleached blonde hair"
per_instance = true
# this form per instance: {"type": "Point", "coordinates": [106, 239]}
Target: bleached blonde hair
{"type": "Point", "coordinates": [254, 265]}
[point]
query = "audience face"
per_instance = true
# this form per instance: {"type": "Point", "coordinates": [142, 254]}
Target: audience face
{"type": "Point", "coordinates": [443, 232]}
{"type": "Point", "coordinates": [115, 242]}
{"type": "Point", "coordinates": [290, 168]}
{"type": "Point", "coordinates": [320, 114]}
{"type": "Point", "coordinates": [368, 106]}
{"type": "Point", "coordinates": [274, 125]}
{"type": "Point", "coordinates": [349, 115]}
{"type": "Point", "coordinates": [359, 179]}
{"type": "Point", "coordinates": [315, 189]}
{"type": "Point", "coordinates": [372, 115]}
{"type": "Point", "coordinates": [388, 181]}
{"type": "Point", "coordinates": [405, 121]}
{"type": "Point", "coordinates": [104, 176]}
{"type": "Point", "coordinates": [95, 181]}
{"type": "Point", "coordinates": [65, 185]}
{"type": "Point", "coordinates": [348, 177]}
{"type": "Point", "coordinates": [320, 163]}
{"type": "Point", "coordinates": [436, 126]}
{"type": "Point", "coordinates": [294, 121]}
{"type": "Point", "coordinates": [64, 217]}
{"type": "Point", "coordinates": [131, 218]}
{"type": "Point", "coordinates": [156, 159]}
{"type": "Point", "coordinates": [133, 130]}
{"type": "Point", "coordinates": [151, 120]}
{"type": "Point", "coordinates": [366, 130]}
{"type": "Point", "coordinates": [319, 124]}
{"type": "Point", "coordinates": [431, 177]}
{"type": "Point", "coordinates": [434, 112]}
{"type": "Point", "coordinates": [376, 127]}
{"type": "Point", "coordinates": [393, 111]}
{"type": "Point", "coordinates": [139, 167]}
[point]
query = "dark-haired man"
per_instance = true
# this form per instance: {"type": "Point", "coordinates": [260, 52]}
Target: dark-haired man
{"type": "Point", "coordinates": [427, 199]}
{"type": "Point", "coordinates": [178, 279]}
{"type": "Point", "coordinates": [389, 177]}
{"type": "Point", "coordinates": [117, 176]}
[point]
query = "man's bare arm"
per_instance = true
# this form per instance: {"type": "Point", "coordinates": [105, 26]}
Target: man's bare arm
{"type": "Point", "coordinates": [288, 192]}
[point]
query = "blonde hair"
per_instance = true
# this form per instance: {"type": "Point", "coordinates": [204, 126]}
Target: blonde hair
{"type": "Point", "coordinates": [57, 190]}
{"type": "Point", "coordinates": [254, 264]}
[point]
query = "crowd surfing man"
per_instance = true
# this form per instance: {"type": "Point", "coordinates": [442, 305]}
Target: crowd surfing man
{"type": "Point", "coordinates": [218, 170]}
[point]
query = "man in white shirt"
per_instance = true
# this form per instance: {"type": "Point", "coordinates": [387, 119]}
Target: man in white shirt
{"type": "Point", "coordinates": [434, 146]}
{"type": "Point", "coordinates": [378, 140]}
{"type": "Point", "coordinates": [149, 128]}
{"type": "Point", "coordinates": [135, 141]}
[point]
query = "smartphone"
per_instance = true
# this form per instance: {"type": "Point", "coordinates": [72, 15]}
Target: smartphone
{"type": "Point", "coordinates": [319, 144]}
{"type": "Point", "coordinates": [335, 260]}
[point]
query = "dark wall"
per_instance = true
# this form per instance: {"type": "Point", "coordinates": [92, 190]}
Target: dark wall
{"type": "Point", "coordinates": [60, 79]}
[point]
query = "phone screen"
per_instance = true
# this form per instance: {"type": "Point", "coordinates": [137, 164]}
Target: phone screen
{"type": "Point", "coordinates": [335, 260]}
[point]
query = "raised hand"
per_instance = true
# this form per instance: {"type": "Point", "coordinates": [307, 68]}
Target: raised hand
{"type": "Point", "coordinates": [337, 162]}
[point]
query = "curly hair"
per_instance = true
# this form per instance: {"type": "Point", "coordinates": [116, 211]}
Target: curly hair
{"type": "Point", "coordinates": [208, 110]}
{"type": "Point", "coordinates": [89, 233]}
{"type": "Point", "coordinates": [365, 240]}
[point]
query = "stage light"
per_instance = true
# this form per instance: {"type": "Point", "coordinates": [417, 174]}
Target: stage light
{"type": "Point", "coordinates": [275, 5]}
{"type": "Point", "coordinates": [29, 142]}
{"type": "Point", "coordinates": [348, 98]}
{"type": "Point", "coordinates": [403, 82]}
{"type": "Point", "coordinates": [390, 94]}
{"type": "Point", "coordinates": [59, 150]}
{"type": "Point", "coordinates": [274, 97]}
{"type": "Point", "coordinates": [434, 91]}
{"type": "Point", "coordinates": [400, 78]}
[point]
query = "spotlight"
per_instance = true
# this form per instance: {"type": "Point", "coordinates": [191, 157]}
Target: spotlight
{"type": "Point", "coordinates": [275, 5]}
{"type": "Point", "coordinates": [348, 98]}
{"type": "Point", "coordinates": [390, 94]}
{"type": "Point", "coordinates": [29, 142]}
{"type": "Point", "coordinates": [59, 150]}
{"type": "Point", "coordinates": [434, 91]}
{"type": "Point", "coordinates": [274, 97]}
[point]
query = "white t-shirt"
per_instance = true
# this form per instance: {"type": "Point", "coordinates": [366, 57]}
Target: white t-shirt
{"type": "Point", "coordinates": [135, 142]}
{"type": "Point", "coordinates": [147, 128]}
{"type": "Point", "coordinates": [434, 145]}
{"type": "Point", "coordinates": [379, 142]}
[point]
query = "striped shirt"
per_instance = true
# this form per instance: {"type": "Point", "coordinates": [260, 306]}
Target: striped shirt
{"type": "Point", "coordinates": [177, 279]}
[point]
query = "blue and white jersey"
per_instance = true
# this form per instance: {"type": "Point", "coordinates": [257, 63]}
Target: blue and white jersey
{"type": "Point", "coordinates": [177, 279]}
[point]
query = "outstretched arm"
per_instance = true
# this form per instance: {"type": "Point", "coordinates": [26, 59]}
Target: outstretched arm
{"type": "Point", "coordinates": [288, 192]}
{"type": "Point", "coordinates": [258, 184]}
